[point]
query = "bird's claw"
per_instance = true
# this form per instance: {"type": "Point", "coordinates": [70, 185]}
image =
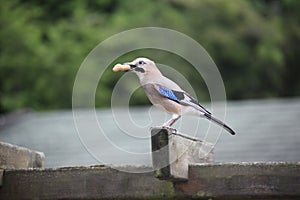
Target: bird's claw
{"type": "Point", "coordinates": [173, 130]}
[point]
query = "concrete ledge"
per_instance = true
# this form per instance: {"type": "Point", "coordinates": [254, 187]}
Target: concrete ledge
{"type": "Point", "coordinates": [217, 181]}
{"type": "Point", "coordinates": [15, 157]}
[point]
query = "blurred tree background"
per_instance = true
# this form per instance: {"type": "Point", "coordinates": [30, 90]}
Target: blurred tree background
{"type": "Point", "coordinates": [255, 45]}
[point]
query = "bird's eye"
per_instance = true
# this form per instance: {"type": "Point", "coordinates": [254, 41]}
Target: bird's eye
{"type": "Point", "coordinates": [141, 62]}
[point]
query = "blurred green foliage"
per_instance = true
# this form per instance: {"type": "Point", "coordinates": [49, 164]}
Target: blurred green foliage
{"type": "Point", "coordinates": [255, 44]}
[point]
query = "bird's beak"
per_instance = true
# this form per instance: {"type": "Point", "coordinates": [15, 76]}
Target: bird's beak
{"type": "Point", "coordinates": [132, 66]}
{"type": "Point", "coordinates": [123, 67]}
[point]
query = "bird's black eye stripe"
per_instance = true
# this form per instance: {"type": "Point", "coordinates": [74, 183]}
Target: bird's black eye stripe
{"type": "Point", "coordinates": [141, 62]}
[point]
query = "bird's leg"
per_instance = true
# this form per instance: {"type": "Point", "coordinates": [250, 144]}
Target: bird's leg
{"type": "Point", "coordinates": [170, 122]}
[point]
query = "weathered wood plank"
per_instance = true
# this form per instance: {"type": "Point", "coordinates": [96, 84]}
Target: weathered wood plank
{"type": "Point", "coordinates": [97, 182]}
{"type": "Point", "coordinates": [160, 152]}
{"type": "Point", "coordinates": [1, 177]}
{"type": "Point", "coordinates": [172, 153]}
{"type": "Point", "coordinates": [217, 181]}
{"type": "Point", "coordinates": [16, 157]}
{"type": "Point", "coordinates": [243, 180]}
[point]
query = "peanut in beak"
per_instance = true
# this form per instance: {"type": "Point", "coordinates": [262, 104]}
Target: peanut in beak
{"type": "Point", "coordinates": [120, 67]}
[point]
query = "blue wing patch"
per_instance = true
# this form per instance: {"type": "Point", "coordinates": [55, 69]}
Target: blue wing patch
{"type": "Point", "coordinates": [168, 93]}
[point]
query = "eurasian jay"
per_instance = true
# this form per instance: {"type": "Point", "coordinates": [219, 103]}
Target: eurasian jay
{"type": "Point", "coordinates": [166, 94]}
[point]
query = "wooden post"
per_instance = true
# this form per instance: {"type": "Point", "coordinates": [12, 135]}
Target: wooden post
{"type": "Point", "coordinates": [173, 152]}
{"type": "Point", "coordinates": [1, 177]}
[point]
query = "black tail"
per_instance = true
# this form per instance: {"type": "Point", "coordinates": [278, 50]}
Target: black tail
{"type": "Point", "coordinates": [219, 122]}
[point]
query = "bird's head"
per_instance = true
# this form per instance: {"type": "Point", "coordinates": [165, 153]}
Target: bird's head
{"type": "Point", "coordinates": [141, 67]}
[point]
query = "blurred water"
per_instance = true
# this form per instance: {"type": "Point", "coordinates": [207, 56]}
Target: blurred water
{"type": "Point", "coordinates": [266, 131]}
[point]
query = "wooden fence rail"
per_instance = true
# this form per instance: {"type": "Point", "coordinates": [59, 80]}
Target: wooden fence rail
{"type": "Point", "coordinates": [218, 181]}
{"type": "Point", "coordinates": [174, 175]}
